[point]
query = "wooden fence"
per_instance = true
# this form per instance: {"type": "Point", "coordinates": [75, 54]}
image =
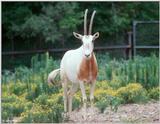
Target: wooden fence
{"type": "Point", "coordinates": [134, 44]}
{"type": "Point", "coordinates": [130, 49]}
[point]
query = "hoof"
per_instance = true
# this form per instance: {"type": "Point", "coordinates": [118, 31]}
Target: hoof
{"type": "Point", "coordinates": [84, 116]}
{"type": "Point", "coordinates": [65, 116]}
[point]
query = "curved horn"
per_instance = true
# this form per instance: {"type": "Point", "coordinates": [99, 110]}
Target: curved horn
{"type": "Point", "coordinates": [85, 22]}
{"type": "Point", "coordinates": [91, 22]}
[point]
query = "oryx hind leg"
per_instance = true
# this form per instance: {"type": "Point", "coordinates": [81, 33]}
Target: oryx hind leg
{"type": "Point", "coordinates": [65, 89]}
{"type": "Point", "coordinates": [64, 82]}
{"type": "Point", "coordinates": [71, 93]}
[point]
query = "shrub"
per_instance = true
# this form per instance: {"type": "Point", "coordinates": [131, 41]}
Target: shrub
{"type": "Point", "coordinates": [154, 93]}
{"type": "Point", "coordinates": [7, 76]}
{"type": "Point", "coordinates": [36, 89]}
{"type": "Point", "coordinates": [23, 74]}
{"type": "Point", "coordinates": [101, 105]}
{"type": "Point", "coordinates": [9, 98]}
{"type": "Point", "coordinates": [19, 88]}
{"type": "Point", "coordinates": [7, 111]}
{"type": "Point", "coordinates": [99, 93]}
{"type": "Point", "coordinates": [31, 95]}
{"type": "Point", "coordinates": [107, 98]}
{"type": "Point", "coordinates": [46, 109]}
{"type": "Point", "coordinates": [108, 101]}
{"type": "Point", "coordinates": [42, 99]}
{"type": "Point", "coordinates": [102, 84]}
{"type": "Point", "coordinates": [14, 88]}
{"type": "Point", "coordinates": [116, 82]}
{"type": "Point", "coordinates": [36, 114]}
{"type": "Point", "coordinates": [76, 102]}
{"type": "Point", "coordinates": [133, 92]}
{"type": "Point", "coordinates": [13, 106]}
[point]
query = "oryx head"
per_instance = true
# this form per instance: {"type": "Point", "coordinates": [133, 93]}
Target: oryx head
{"type": "Point", "coordinates": [87, 39]}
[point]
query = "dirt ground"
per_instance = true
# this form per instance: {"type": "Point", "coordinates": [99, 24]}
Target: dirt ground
{"type": "Point", "coordinates": [128, 113]}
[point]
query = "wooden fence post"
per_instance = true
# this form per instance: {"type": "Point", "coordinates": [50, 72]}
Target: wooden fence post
{"type": "Point", "coordinates": [130, 44]}
{"type": "Point", "coordinates": [134, 38]}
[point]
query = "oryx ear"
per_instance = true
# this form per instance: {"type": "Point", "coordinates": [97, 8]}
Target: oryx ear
{"type": "Point", "coordinates": [96, 35]}
{"type": "Point", "coordinates": [79, 36]}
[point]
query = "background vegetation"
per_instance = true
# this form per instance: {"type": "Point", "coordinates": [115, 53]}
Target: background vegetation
{"type": "Point", "coordinates": [44, 25]}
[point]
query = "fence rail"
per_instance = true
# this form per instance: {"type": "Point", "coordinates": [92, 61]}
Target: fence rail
{"type": "Point", "coordinates": [130, 48]}
{"type": "Point", "coordinates": [147, 47]}
{"type": "Point", "coordinates": [134, 41]}
{"type": "Point", "coordinates": [64, 50]}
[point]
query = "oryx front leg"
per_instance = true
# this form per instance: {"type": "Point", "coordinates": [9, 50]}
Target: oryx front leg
{"type": "Point", "coordinates": [92, 88]}
{"type": "Point", "coordinates": [71, 94]}
{"type": "Point", "coordinates": [84, 97]}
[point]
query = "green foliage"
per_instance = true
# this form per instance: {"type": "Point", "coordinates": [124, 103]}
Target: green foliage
{"type": "Point", "coordinates": [19, 89]}
{"type": "Point", "coordinates": [141, 69]}
{"type": "Point", "coordinates": [26, 94]}
{"type": "Point", "coordinates": [113, 97]}
{"type": "Point", "coordinates": [45, 109]}
{"type": "Point", "coordinates": [13, 106]}
{"type": "Point", "coordinates": [41, 65]}
{"type": "Point", "coordinates": [154, 93]}
{"type": "Point", "coordinates": [41, 113]}
{"type": "Point", "coordinates": [108, 101]}
{"type": "Point", "coordinates": [102, 85]}
{"type": "Point", "coordinates": [42, 25]}
{"type": "Point", "coordinates": [102, 104]}
{"type": "Point", "coordinates": [26, 88]}
{"type": "Point", "coordinates": [43, 20]}
{"type": "Point", "coordinates": [55, 22]}
{"type": "Point", "coordinates": [76, 102]}
{"type": "Point", "coordinates": [42, 16]}
{"type": "Point", "coordinates": [31, 106]}
{"type": "Point", "coordinates": [133, 92]}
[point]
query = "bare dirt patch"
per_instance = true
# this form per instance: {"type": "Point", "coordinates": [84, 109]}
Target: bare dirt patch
{"type": "Point", "coordinates": [137, 113]}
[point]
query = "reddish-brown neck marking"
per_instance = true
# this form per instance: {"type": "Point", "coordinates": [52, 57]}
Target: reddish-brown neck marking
{"type": "Point", "coordinates": [88, 69]}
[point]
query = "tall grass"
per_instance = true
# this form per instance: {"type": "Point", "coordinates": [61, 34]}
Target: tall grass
{"type": "Point", "coordinates": [41, 65]}
{"type": "Point", "coordinates": [144, 70]}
